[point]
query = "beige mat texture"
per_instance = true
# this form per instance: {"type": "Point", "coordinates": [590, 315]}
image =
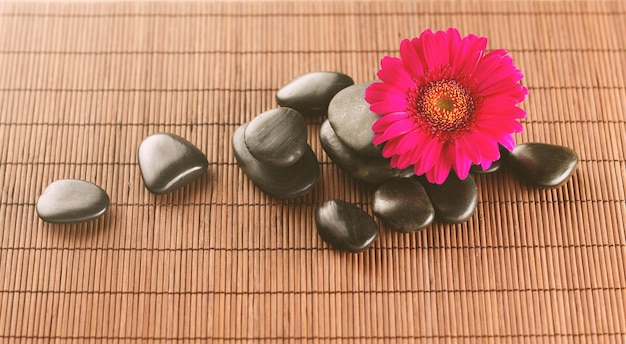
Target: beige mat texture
{"type": "Point", "coordinates": [82, 84]}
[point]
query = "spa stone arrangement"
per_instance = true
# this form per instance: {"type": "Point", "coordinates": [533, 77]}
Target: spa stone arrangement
{"type": "Point", "coordinates": [272, 151]}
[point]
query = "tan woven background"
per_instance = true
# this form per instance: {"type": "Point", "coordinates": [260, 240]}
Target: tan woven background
{"type": "Point", "coordinates": [82, 84]}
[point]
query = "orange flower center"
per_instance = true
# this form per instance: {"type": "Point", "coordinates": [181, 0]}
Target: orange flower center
{"type": "Point", "coordinates": [445, 104]}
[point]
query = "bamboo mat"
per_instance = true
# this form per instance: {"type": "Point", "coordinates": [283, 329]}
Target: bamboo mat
{"type": "Point", "coordinates": [81, 85]}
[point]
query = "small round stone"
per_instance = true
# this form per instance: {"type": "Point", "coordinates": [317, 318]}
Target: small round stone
{"type": "Point", "coordinates": [404, 205]}
{"type": "Point", "coordinates": [287, 182]}
{"type": "Point", "coordinates": [169, 162]}
{"type": "Point", "coordinates": [455, 200]}
{"type": "Point", "coordinates": [277, 137]}
{"type": "Point", "coordinates": [350, 116]}
{"type": "Point", "coordinates": [543, 164]}
{"type": "Point", "coordinates": [72, 201]}
{"type": "Point", "coordinates": [344, 226]}
{"type": "Point", "coordinates": [310, 93]}
{"type": "Point", "coordinates": [360, 167]}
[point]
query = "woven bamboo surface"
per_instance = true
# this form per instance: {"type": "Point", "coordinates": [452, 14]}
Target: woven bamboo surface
{"type": "Point", "coordinates": [82, 84]}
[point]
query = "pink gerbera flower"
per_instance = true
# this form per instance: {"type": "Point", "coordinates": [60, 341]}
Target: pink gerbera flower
{"type": "Point", "coordinates": [446, 104]}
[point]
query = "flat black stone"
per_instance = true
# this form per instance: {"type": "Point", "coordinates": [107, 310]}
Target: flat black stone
{"type": "Point", "coordinates": [72, 201]}
{"type": "Point", "coordinates": [287, 182]}
{"type": "Point", "coordinates": [169, 162]}
{"type": "Point", "coordinates": [495, 166]}
{"type": "Point", "coordinates": [403, 204]}
{"type": "Point", "coordinates": [311, 93]}
{"type": "Point", "coordinates": [350, 116]}
{"type": "Point", "coordinates": [344, 226]}
{"type": "Point", "coordinates": [360, 167]}
{"type": "Point", "coordinates": [277, 137]}
{"type": "Point", "coordinates": [543, 164]}
{"type": "Point", "coordinates": [455, 200]}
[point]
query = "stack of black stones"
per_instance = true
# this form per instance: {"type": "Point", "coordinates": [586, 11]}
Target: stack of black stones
{"type": "Point", "coordinates": [272, 150]}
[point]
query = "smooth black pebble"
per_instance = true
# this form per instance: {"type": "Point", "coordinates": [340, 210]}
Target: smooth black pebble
{"type": "Point", "coordinates": [344, 226]}
{"type": "Point", "coordinates": [287, 182]}
{"type": "Point", "coordinates": [495, 166]}
{"type": "Point", "coordinates": [311, 93]}
{"type": "Point", "coordinates": [404, 205]}
{"type": "Point", "coordinates": [350, 116]}
{"type": "Point", "coordinates": [543, 164]}
{"type": "Point", "coordinates": [455, 200]}
{"type": "Point", "coordinates": [169, 162]}
{"type": "Point", "coordinates": [360, 167]}
{"type": "Point", "coordinates": [72, 201]}
{"type": "Point", "coordinates": [277, 137]}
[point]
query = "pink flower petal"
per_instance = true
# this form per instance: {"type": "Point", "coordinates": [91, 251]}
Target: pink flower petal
{"type": "Point", "coordinates": [430, 176]}
{"type": "Point", "coordinates": [486, 164]}
{"type": "Point", "coordinates": [455, 54]}
{"type": "Point", "coordinates": [498, 77]}
{"type": "Point", "coordinates": [492, 133]}
{"type": "Point", "coordinates": [404, 161]}
{"type": "Point", "coordinates": [440, 171]}
{"type": "Point", "coordinates": [495, 105]}
{"type": "Point", "coordinates": [410, 148]}
{"type": "Point", "coordinates": [499, 52]}
{"type": "Point", "coordinates": [408, 141]}
{"type": "Point", "coordinates": [458, 55]}
{"type": "Point", "coordinates": [398, 128]}
{"type": "Point", "coordinates": [508, 142]}
{"type": "Point", "coordinates": [419, 168]}
{"type": "Point", "coordinates": [393, 161]}
{"type": "Point", "coordinates": [506, 88]}
{"type": "Point", "coordinates": [441, 43]}
{"type": "Point", "coordinates": [388, 119]}
{"type": "Point", "coordinates": [381, 87]}
{"type": "Point", "coordinates": [417, 44]}
{"type": "Point", "coordinates": [477, 43]}
{"type": "Point", "coordinates": [432, 153]}
{"type": "Point", "coordinates": [500, 124]}
{"type": "Point", "coordinates": [379, 95]}
{"type": "Point", "coordinates": [477, 47]}
{"type": "Point", "coordinates": [415, 154]}
{"type": "Point", "coordinates": [487, 65]}
{"type": "Point", "coordinates": [462, 162]}
{"type": "Point", "coordinates": [388, 106]}
{"type": "Point", "coordinates": [394, 74]}
{"type": "Point", "coordinates": [517, 113]}
{"type": "Point", "coordinates": [378, 139]}
{"type": "Point", "coordinates": [467, 147]}
{"type": "Point", "coordinates": [443, 167]}
{"type": "Point", "coordinates": [440, 174]}
{"type": "Point", "coordinates": [389, 149]}
{"type": "Point", "coordinates": [431, 53]}
{"type": "Point", "coordinates": [487, 146]}
{"type": "Point", "coordinates": [471, 62]}
{"type": "Point", "coordinates": [410, 58]}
